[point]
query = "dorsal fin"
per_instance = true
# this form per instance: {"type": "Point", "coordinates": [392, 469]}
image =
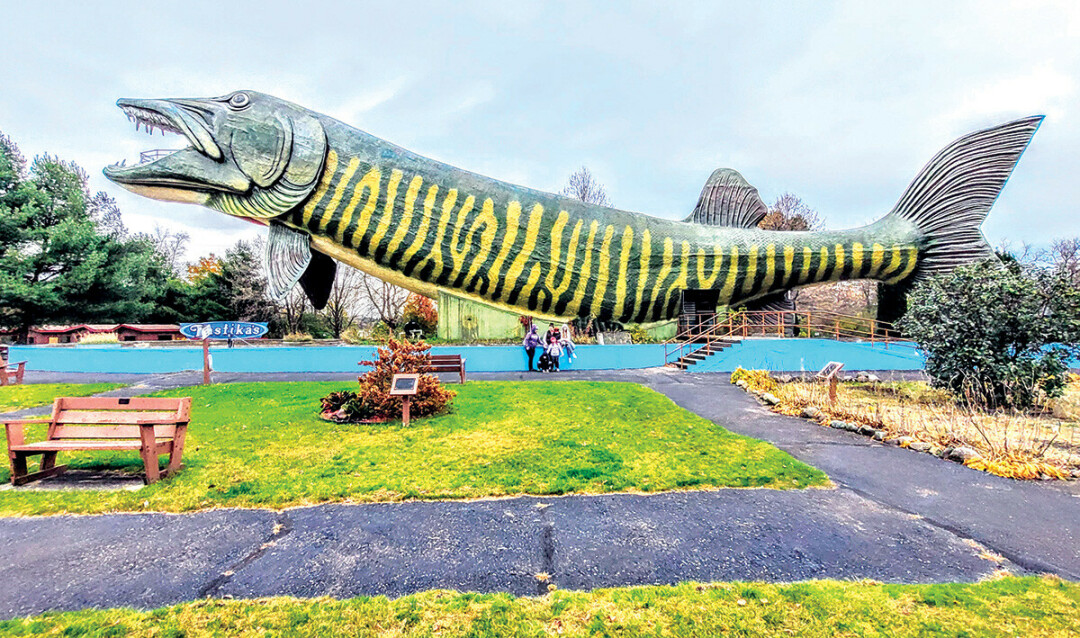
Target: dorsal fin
{"type": "Point", "coordinates": [728, 200]}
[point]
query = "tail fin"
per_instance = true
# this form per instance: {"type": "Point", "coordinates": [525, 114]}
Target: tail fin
{"type": "Point", "coordinates": [950, 197]}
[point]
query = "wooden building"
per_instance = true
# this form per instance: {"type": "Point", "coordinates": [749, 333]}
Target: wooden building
{"type": "Point", "coordinates": [125, 332]}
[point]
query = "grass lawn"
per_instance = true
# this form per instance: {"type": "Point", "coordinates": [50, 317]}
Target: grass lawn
{"type": "Point", "coordinates": [28, 395]}
{"type": "Point", "coordinates": [261, 444]}
{"type": "Point", "coordinates": [1029, 607]}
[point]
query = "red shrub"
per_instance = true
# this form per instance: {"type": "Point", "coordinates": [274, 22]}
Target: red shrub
{"type": "Point", "coordinates": [396, 358]}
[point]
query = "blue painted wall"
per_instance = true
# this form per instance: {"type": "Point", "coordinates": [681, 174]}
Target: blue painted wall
{"type": "Point", "coordinates": [130, 360]}
{"type": "Point", "coordinates": [786, 355]}
{"type": "Point", "coordinates": [790, 355]}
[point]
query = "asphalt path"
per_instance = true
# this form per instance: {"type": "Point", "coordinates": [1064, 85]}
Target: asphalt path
{"type": "Point", "coordinates": [894, 516]}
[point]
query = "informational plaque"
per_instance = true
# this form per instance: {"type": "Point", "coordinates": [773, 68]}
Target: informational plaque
{"type": "Point", "coordinates": [404, 384]}
{"type": "Point", "coordinates": [830, 373]}
{"type": "Point", "coordinates": [830, 370]}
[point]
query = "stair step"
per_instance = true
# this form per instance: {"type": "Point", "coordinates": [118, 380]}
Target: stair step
{"type": "Point", "coordinates": [703, 353]}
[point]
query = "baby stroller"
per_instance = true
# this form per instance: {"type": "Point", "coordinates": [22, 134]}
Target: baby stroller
{"type": "Point", "coordinates": [546, 363]}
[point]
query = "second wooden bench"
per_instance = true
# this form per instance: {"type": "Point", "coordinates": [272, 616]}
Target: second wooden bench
{"type": "Point", "coordinates": [150, 426]}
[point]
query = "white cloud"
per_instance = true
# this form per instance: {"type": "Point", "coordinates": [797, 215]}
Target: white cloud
{"type": "Point", "coordinates": [840, 102]}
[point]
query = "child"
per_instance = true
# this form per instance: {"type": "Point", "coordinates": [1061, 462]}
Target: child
{"type": "Point", "coordinates": [544, 364]}
{"type": "Point", "coordinates": [552, 331]}
{"type": "Point", "coordinates": [555, 351]}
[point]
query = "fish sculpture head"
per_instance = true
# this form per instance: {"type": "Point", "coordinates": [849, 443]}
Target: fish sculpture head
{"type": "Point", "coordinates": [249, 155]}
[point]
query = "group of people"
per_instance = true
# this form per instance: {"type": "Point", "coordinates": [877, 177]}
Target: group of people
{"type": "Point", "coordinates": [555, 343]}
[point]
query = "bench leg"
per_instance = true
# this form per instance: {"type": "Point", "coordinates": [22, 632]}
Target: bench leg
{"type": "Point", "coordinates": [48, 460]}
{"type": "Point", "coordinates": [19, 474]}
{"type": "Point", "coordinates": [150, 462]}
{"type": "Point", "coordinates": [18, 465]}
{"type": "Point", "coordinates": [148, 452]}
{"type": "Point", "coordinates": [177, 451]}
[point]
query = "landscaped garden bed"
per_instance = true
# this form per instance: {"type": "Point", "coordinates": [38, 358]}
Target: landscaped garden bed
{"type": "Point", "coordinates": [264, 445]}
{"type": "Point", "coordinates": [1042, 443]}
{"type": "Point", "coordinates": [1027, 607]}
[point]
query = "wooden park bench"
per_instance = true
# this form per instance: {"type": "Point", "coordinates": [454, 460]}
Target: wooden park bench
{"type": "Point", "coordinates": [441, 363]}
{"type": "Point", "coordinates": [11, 372]}
{"type": "Point", "coordinates": [444, 363]}
{"type": "Point", "coordinates": [150, 426]}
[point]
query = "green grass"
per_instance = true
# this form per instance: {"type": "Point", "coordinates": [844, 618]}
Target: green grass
{"type": "Point", "coordinates": [28, 395]}
{"type": "Point", "coordinates": [1029, 607]}
{"type": "Point", "coordinates": [262, 445]}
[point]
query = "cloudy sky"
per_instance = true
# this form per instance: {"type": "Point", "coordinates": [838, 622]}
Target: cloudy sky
{"type": "Point", "coordinates": [838, 102]}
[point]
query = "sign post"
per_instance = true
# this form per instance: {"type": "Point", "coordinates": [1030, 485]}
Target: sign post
{"type": "Point", "coordinates": [405, 386]}
{"type": "Point", "coordinates": [220, 330]}
{"type": "Point", "coordinates": [207, 366]}
{"type": "Point", "coordinates": [831, 371]}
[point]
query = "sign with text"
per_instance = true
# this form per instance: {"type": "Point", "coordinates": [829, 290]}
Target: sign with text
{"type": "Point", "coordinates": [830, 370]}
{"type": "Point", "coordinates": [405, 384]}
{"type": "Point", "coordinates": [223, 330]}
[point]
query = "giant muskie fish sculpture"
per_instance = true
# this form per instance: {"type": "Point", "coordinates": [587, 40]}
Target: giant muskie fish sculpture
{"type": "Point", "coordinates": [329, 191]}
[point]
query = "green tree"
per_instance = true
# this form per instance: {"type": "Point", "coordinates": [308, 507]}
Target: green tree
{"type": "Point", "coordinates": [232, 289]}
{"type": "Point", "coordinates": [63, 254]}
{"type": "Point", "coordinates": [996, 335]}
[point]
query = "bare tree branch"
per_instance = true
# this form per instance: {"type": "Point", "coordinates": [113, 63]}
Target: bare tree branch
{"type": "Point", "coordinates": [1064, 257]}
{"type": "Point", "coordinates": [345, 299]}
{"type": "Point", "coordinates": [382, 299]}
{"type": "Point", "coordinates": [584, 186]}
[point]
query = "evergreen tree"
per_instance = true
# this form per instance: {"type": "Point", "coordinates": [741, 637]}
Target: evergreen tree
{"type": "Point", "coordinates": [63, 254]}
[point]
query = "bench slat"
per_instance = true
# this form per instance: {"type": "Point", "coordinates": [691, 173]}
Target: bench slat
{"type": "Point", "coordinates": [122, 403]}
{"type": "Point", "coordinates": [73, 446]}
{"type": "Point", "coordinates": [109, 432]}
{"type": "Point", "coordinates": [115, 418]}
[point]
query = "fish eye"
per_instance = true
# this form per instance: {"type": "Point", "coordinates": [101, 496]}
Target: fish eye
{"type": "Point", "coordinates": [239, 100]}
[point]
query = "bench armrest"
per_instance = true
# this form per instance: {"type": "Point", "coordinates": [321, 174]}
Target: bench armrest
{"type": "Point", "coordinates": [14, 430]}
{"type": "Point", "coordinates": [168, 420]}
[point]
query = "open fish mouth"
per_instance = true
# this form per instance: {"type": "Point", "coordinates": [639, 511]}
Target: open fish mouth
{"type": "Point", "coordinates": [188, 174]}
{"type": "Point", "coordinates": [158, 167]}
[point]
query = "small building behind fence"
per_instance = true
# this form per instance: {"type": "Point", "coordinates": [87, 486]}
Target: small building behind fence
{"type": "Point", "coordinates": [125, 332]}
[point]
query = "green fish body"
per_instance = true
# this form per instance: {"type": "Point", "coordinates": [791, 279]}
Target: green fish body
{"type": "Point", "coordinates": [329, 190]}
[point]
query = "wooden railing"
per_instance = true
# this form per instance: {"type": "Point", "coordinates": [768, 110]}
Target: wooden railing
{"type": "Point", "coordinates": [819, 324]}
{"type": "Point", "coordinates": [695, 333]}
{"type": "Point", "coordinates": [704, 331]}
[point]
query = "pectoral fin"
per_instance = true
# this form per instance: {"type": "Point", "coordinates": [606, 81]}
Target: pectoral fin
{"type": "Point", "coordinates": [290, 259]}
{"type": "Point", "coordinates": [288, 254]}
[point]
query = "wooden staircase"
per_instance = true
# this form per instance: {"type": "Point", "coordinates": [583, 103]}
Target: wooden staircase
{"type": "Point", "coordinates": [702, 335]}
{"type": "Point", "coordinates": [704, 352]}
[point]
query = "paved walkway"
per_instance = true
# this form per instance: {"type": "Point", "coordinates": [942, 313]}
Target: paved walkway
{"type": "Point", "coordinates": [896, 516]}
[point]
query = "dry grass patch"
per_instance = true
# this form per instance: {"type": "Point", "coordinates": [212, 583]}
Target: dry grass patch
{"type": "Point", "coordinates": [1012, 443]}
